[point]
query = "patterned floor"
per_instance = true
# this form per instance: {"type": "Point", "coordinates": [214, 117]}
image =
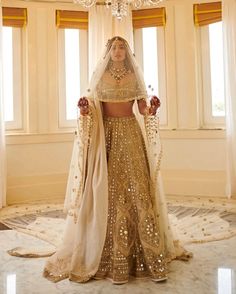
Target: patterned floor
{"type": "Point", "coordinates": [212, 270]}
{"type": "Point", "coordinates": [194, 219]}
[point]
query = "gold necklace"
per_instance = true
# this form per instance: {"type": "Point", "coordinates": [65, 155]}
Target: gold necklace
{"type": "Point", "coordinates": [118, 73]}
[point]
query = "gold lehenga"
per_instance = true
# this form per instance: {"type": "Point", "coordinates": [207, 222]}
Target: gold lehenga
{"type": "Point", "coordinates": [132, 245]}
{"type": "Point", "coordinates": [117, 223]}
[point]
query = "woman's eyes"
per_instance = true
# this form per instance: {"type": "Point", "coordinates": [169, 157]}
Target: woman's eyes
{"type": "Point", "coordinates": [120, 47]}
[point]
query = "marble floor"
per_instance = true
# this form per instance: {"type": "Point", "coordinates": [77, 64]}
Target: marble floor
{"type": "Point", "coordinates": [212, 270]}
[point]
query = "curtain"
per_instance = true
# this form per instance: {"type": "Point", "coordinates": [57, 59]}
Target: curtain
{"type": "Point", "coordinates": [14, 17]}
{"type": "Point", "coordinates": [2, 136]}
{"type": "Point", "coordinates": [229, 33]}
{"type": "Point", "coordinates": [207, 13]}
{"type": "Point", "coordinates": [72, 19]}
{"type": "Point", "coordinates": [102, 26]}
{"type": "Point", "coordinates": [124, 28]}
{"type": "Point", "coordinates": [144, 18]}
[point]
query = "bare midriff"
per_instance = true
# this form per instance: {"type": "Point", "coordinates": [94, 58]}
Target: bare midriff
{"type": "Point", "coordinates": [118, 109]}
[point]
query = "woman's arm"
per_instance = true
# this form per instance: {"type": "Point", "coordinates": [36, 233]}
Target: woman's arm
{"type": "Point", "coordinates": [142, 106]}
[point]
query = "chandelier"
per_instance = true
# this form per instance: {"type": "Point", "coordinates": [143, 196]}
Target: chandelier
{"type": "Point", "coordinates": [119, 8]}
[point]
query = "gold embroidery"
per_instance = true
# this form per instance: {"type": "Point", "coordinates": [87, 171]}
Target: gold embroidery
{"type": "Point", "coordinates": [154, 145]}
{"type": "Point", "coordinates": [119, 93]}
{"type": "Point", "coordinates": [57, 270]}
{"type": "Point", "coordinates": [132, 240]}
{"type": "Point", "coordinates": [83, 139]}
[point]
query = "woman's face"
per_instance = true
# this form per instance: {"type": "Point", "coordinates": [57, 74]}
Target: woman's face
{"type": "Point", "coordinates": [118, 51]}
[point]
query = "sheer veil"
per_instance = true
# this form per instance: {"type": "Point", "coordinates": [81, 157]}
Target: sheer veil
{"type": "Point", "coordinates": [86, 201]}
{"type": "Point", "coordinates": [91, 143]}
{"type": "Point", "coordinates": [103, 64]}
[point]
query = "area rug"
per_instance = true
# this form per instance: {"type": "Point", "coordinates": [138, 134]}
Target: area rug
{"type": "Point", "coordinates": [193, 220]}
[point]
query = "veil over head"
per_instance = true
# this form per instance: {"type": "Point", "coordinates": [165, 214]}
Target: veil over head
{"type": "Point", "coordinates": [131, 87]}
{"type": "Point", "coordinates": [90, 134]}
{"type": "Point", "coordinates": [86, 199]}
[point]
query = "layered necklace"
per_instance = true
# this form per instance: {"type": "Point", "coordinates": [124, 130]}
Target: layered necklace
{"type": "Point", "coordinates": [118, 73]}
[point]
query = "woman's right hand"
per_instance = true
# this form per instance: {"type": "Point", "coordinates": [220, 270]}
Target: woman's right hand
{"type": "Point", "coordinates": [83, 105]}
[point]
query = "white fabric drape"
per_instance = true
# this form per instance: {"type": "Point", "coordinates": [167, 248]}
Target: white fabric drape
{"type": "Point", "coordinates": [103, 26]}
{"type": "Point", "coordinates": [229, 33]}
{"type": "Point", "coordinates": [2, 136]}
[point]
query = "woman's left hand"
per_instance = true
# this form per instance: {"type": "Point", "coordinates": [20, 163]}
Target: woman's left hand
{"type": "Point", "coordinates": [155, 104]}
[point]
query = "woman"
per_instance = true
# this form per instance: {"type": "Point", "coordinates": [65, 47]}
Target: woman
{"type": "Point", "coordinates": [117, 223]}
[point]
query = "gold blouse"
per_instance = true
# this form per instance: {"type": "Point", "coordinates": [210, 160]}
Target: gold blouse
{"type": "Point", "coordinates": [107, 92]}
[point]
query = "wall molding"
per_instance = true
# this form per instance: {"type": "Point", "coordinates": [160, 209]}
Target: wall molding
{"type": "Point", "coordinates": [23, 139]}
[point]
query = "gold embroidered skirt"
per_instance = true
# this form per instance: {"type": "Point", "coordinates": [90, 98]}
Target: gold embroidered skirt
{"type": "Point", "coordinates": [132, 246]}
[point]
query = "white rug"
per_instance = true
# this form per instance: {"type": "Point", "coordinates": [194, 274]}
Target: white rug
{"type": "Point", "coordinates": [193, 219]}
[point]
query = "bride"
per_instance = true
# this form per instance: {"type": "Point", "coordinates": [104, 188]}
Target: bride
{"type": "Point", "coordinates": [117, 224]}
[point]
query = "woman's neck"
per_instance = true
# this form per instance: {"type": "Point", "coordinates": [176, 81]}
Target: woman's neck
{"type": "Point", "coordinates": [118, 64]}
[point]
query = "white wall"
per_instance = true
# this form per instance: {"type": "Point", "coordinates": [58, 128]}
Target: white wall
{"type": "Point", "coordinates": [38, 160]}
{"type": "Point", "coordinates": [194, 163]}
{"type": "Point", "coordinates": [37, 166]}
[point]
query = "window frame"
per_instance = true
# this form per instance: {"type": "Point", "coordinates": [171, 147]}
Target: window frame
{"type": "Point", "coordinates": [83, 44]}
{"type": "Point", "coordinates": [161, 62]}
{"type": "Point", "coordinates": [205, 96]}
{"type": "Point", "coordinates": [18, 37]}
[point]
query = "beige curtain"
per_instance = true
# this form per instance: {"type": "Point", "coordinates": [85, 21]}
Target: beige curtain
{"type": "Point", "coordinates": [14, 17]}
{"type": "Point", "coordinates": [102, 26]}
{"type": "Point", "coordinates": [2, 136]}
{"type": "Point", "coordinates": [144, 18]}
{"type": "Point", "coordinates": [229, 33]}
{"type": "Point", "coordinates": [72, 19]}
{"type": "Point", "coordinates": [207, 13]}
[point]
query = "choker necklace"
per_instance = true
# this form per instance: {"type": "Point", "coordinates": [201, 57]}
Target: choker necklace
{"type": "Point", "coordinates": [118, 73]}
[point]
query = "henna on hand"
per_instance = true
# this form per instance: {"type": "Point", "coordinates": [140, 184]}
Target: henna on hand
{"type": "Point", "coordinates": [155, 104]}
{"type": "Point", "coordinates": [83, 105]}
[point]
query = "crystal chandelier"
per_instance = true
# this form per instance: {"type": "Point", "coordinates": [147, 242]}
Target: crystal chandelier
{"type": "Point", "coordinates": [119, 8]}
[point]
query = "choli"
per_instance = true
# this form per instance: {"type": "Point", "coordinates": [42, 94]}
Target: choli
{"type": "Point", "coordinates": [107, 92]}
